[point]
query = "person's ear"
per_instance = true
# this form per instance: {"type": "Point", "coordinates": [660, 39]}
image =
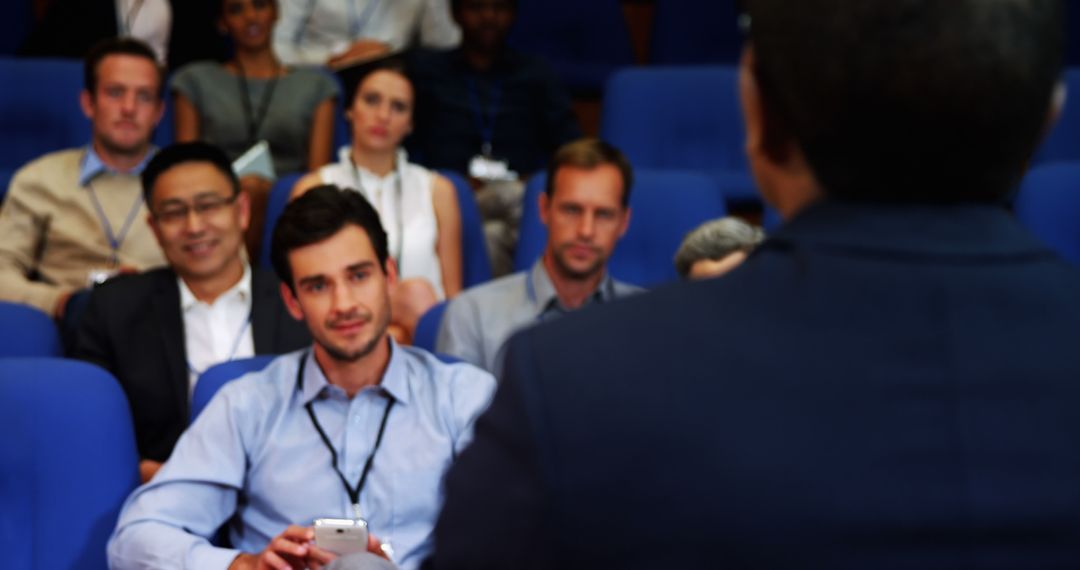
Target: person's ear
{"type": "Point", "coordinates": [292, 304]}
{"type": "Point", "coordinates": [86, 102]}
{"type": "Point", "coordinates": [543, 202]}
{"type": "Point", "coordinates": [391, 272]}
{"type": "Point", "coordinates": [243, 209]}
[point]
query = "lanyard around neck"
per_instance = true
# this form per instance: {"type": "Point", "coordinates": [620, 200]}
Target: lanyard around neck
{"type": "Point", "coordinates": [353, 492]}
{"type": "Point", "coordinates": [115, 240]}
{"type": "Point", "coordinates": [485, 117]}
{"type": "Point", "coordinates": [254, 117]}
{"type": "Point", "coordinates": [399, 197]}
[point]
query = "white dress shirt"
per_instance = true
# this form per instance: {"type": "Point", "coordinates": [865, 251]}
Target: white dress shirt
{"type": "Point", "coordinates": [146, 20]}
{"type": "Point", "coordinates": [219, 331]}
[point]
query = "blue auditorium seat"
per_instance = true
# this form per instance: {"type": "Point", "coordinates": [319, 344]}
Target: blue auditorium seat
{"type": "Point", "coordinates": [684, 118]}
{"type": "Point", "coordinates": [26, 331]}
{"type": "Point", "coordinates": [1063, 141]}
{"type": "Point", "coordinates": [275, 204]}
{"type": "Point", "coordinates": [695, 32]}
{"type": "Point", "coordinates": [427, 329]}
{"type": "Point", "coordinates": [665, 206]}
{"type": "Point", "coordinates": [584, 41]}
{"type": "Point", "coordinates": [39, 109]}
{"type": "Point", "coordinates": [476, 265]}
{"type": "Point", "coordinates": [213, 378]}
{"type": "Point", "coordinates": [67, 462]}
{"type": "Point", "coordinates": [1048, 204]}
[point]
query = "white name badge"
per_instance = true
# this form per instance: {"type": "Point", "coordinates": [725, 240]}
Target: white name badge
{"type": "Point", "coordinates": [486, 168]}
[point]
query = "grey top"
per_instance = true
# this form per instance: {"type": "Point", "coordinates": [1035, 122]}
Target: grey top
{"type": "Point", "coordinates": [217, 95]}
{"type": "Point", "coordinates": [479, 321]}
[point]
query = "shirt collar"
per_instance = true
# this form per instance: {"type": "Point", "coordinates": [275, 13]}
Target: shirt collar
{"type": "Point", "coordinates": [395, 380]}
{"type": "Point", "coordinates": [544, 297]}
{"type": "Point", "coordinates": [242, 289]}
{"type": "Point", "coordinates": [92, 165]}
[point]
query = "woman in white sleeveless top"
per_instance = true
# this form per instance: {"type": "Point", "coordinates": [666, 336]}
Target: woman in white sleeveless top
{"type": "Point", "coordinates": [418, 208]}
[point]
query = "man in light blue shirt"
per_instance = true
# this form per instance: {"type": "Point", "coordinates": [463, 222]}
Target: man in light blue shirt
{"type": "Point", "coordinates": [355, 427]}
{"type": "Point", "coordinates": [585, 208]}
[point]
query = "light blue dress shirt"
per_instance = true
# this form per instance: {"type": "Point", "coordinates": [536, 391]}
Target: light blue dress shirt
{"type": "Point", "coordinates": [92, 165]}
{"type": "Point", "coordinates": [254, 452]}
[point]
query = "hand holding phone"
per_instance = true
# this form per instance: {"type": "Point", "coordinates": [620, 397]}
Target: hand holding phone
{"type": "Point", "coordinates": [341, 536]}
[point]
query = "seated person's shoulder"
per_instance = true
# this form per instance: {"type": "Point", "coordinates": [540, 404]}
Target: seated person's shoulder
{"type": "Point", "coordinates": [128, 289]}
{"type": "Point", "coordinates": [49, 163]}
{"type": "Point", "coordinates": [446, 379]}
{"type": "Point", "coordinates": [267, 390]}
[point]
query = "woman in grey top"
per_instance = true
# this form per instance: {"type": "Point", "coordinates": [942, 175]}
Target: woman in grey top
{"type": "Point", "coordinates": [253, 97]}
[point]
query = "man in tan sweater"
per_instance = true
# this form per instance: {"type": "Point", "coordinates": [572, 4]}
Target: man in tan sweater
{"type": "Point", "coordinates": [73, 217]}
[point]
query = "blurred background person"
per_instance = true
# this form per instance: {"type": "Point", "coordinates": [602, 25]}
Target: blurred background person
{"type": "Point", "coordinates": [179, 31]}
{"type": "Point", "coordinates": [492, 113]}
{"type": "Point", "coordinates": [418, 207]}
{"type": "Point", "coordinates": [333, 32]}
{"type": "Point", "coordinates": [253, 97]}
{"type": "Point", "coordinates": [716, 247]}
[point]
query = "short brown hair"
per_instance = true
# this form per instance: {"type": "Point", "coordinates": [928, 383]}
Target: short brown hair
{"type": "Point", "coordinates": [118, 46]}
{"type": "Point", "coordinates": [589, 153]}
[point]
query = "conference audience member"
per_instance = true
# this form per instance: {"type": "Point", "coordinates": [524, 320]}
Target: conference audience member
{"type": "Point", "coordinates": [156, 332]}
{"type": "Point", "coordinates": [356, 427]}
{"type": "Point", "coordinates": [716, 247]}
{"type": "Point", "coordinates": [253, 97]}
{"type": "Point", "coordinates": [418, 207]}
{"type": "Point", "coordinates": [338, 32]}
{"type": "Point", "coordinates": [585, 208]}
{"type": "Point", "coordinates": [890, 381]}
{"type": "Point", "coordinates": [179, 31]}
{"type": "Point", "coordinates": [491, 112]}
{"type": "Point", "coordinates": [74, 217]}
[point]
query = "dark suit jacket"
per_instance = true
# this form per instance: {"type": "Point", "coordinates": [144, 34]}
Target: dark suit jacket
{"type": "Point", "coordinates": [134, 329]}
{"type": "Point", "coordinates": [71, 27]}
{"type": "Point", "coordinates": [877, 387]}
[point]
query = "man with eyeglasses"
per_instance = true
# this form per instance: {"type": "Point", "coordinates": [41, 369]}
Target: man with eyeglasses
{"type": "Point", "coordinates": [157, 331]}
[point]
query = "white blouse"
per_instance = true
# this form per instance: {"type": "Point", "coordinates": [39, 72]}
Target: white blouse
{"type": "Point", "coordinates": [405, 209]}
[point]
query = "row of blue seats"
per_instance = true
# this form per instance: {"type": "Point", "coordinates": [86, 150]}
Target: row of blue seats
{"type": "Point", "coordinates": [69, 459]}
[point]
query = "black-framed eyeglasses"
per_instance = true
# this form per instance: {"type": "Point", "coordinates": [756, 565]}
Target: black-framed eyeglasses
{"type": "Point", "coordinates": [203, 207]}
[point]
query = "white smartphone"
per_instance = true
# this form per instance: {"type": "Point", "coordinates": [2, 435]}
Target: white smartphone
{"type": "Point", "coordinates": [341, 536]}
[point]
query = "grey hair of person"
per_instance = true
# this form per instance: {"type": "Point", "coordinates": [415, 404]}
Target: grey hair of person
{"type": "Point", "coordinates": [715, 240]}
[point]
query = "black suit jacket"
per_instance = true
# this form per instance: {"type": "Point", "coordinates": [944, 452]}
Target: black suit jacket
{"type": "Point", "coordinates": [877, 387]}
{"type": "Point", "coordinates": [134, 329]}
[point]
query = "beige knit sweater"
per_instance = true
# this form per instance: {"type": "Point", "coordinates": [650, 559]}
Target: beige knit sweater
{"type": "Point", "coordinates": [51, 237]}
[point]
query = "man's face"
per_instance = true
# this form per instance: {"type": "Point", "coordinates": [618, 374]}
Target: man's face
{"type": "Point", "coordinates": [197, 221]}
{"type": "Point", "coordinates": [341, 293]}
{"type": "Point", "coordinates": [585, 218]}
{"type": "Point", "coordinates": [485, 23]}
{"type": "Point", "coordinates": [125, 107]}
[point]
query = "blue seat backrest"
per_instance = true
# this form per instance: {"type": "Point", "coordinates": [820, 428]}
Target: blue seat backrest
{"type": "Point", "coordinates": [1048, 204]}
{"type": "Point", "coordinates": [680, 118]}
{"type": "Point", "coordinates": [66, 465]}
{"type": "Point", "coordinates": [39, 108]}
{"type": "Point", "coordinates": [213, 378]}
{"type": "Point", "coordinates": [27, 331]}
{"type": "Point", "coordinates": [279, 198]}
{"type": "Point", "coordinates": [427, 329]}
{"type": "Point", "coordinates": [476, 267]}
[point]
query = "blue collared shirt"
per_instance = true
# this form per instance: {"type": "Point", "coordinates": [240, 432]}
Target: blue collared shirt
{"type": "Point", "coordinates": [478, 322]}
{"type": "Point", "coordinates": [92, 165]}
{"type": "Point", "coordinates": [254, 452]}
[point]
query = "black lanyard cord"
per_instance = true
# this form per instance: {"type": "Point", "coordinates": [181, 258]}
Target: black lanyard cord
{"type": "Point", "coordinates": [354, 492]}
{"type": "Point", "coordinates": [255, 117]}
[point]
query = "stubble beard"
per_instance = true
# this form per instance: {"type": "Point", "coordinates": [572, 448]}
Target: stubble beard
{"type": "Point", "coordinates": [341, 355]}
